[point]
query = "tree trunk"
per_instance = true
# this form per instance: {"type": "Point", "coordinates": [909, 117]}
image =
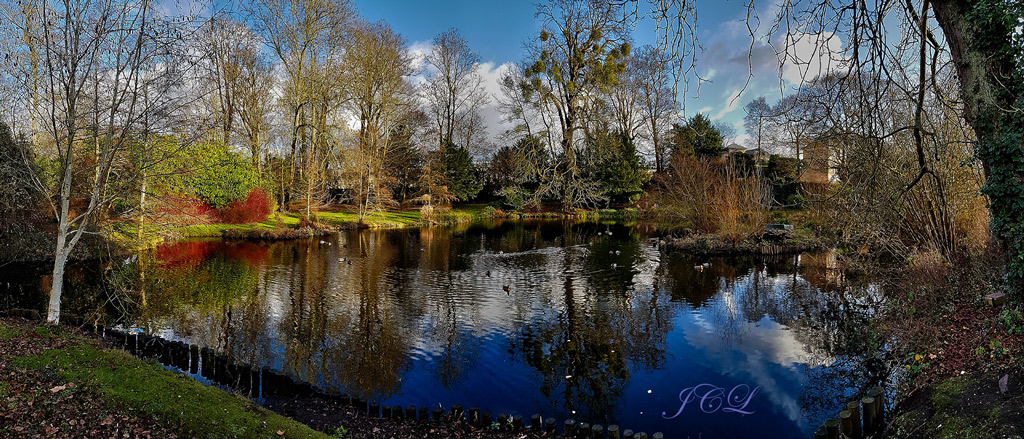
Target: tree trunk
{"type": "Point", "coordinates": [980, 38]}
{"type": "Point", "coordinates": [60, 260]}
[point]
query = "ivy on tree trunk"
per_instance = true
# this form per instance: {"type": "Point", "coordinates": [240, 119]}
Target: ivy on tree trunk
{"type": "Point", "coordinates": [987, 53]}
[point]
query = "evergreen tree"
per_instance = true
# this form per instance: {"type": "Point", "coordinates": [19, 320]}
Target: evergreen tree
{"type": "Point", "coordinates": [460, 173]}
{"type": "Point", "coordinates": [698, 137]}
{"type": "Point", "coordinates": [618, 167]}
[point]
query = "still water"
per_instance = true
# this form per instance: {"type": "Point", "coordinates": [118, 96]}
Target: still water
{"type": "Point", "coordinates": [584, 320]}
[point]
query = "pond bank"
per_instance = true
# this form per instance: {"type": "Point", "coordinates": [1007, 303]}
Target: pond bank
{"type": "Point", "coordinates": [55, 377]}
{"type": "Point", "coordinates": [773, 242]}
{"type": "Point", "coordinates": [56, 382]}
{"type": "Point", "coordinates": [968, 406]}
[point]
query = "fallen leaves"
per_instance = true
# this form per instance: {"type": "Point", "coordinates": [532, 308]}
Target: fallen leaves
{"type": "Point", "coordinates": [42, 403]}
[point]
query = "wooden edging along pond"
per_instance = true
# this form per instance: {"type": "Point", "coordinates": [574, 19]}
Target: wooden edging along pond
{"type": "Point", "coordinates": [862, 419]}
{"type": "Point", "coordinates": [256, 382]}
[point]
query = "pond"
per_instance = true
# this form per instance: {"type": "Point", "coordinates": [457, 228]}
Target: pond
{"type": "Point", "coordinates": [590, 321]}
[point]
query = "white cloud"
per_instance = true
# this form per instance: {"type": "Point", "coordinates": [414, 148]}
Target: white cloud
{"type": "Point", "coordinates": [744, 140]}
{"type": "Point", "coordinates": [808, 56]}
{"type": "Point", "coordinates": [419, 51]}
{"type": "Point", "coordinates": [731, 103]}
{"type": "Point", "coordinates": [705, 110]}
{"type": "Point", "coordinates": [491, 75]}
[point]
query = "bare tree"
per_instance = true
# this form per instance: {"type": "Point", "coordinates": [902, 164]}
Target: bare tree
{"type": "Point", "coordinates": [757, 111]}
{"type": "Point", "coordinates": [126, 53]}
{"type": "Point", "coordinates": [307, 37]}
{"type": "Point", "coordinates": [454, 89]}
{"type": "Point", "coordinates": [377, 62]}
{"type": "Point", "coordinates": [254, 101]}
{"type": "Point", "coordinates": [650, 67]}
{"type": "Point", "coordinates": [979, 39]}
{"type": "Point", "coordinates": [579, 50]}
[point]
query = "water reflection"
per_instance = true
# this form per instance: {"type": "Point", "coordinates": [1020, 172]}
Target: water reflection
{"type": "Point", "coordinates": [597, 323]}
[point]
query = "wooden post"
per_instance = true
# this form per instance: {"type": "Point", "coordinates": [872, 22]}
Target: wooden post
{"type": "Point", "coordinates": [385, 411]}
{"type": "Point", "coordinates": [831, 429]}
{"type": "Point", "coordinates": [485, 419]}
{"type": "Point", "coordinates": [159, 350]}
{"type": "Point", "coordinates": [597, 431]}
{"type": "Point", "coordinates": [584, 428]}
{"type": "Point", "coordinates": [658, 435]}
{"type": "Point", "coordinates": [517, 423]}
{"type": "Point", "coordinates": [374, 409]}
{"type": "Point", "coordinates": [535, 421]}
{"type": "Point", "coordinates": [232, 373]}
{"type": "Point", "coordinates": [147, 346]}
{"type": "Point", "coordinates": [502, 422]}
{"type": "Point", "coordinates": [474, 416]}
{"type": "Point", "coordinates": [628, 434]}
{"type": "Point", "coordinates": [397, 412]}
{"type": "Point", "coordinates": [613, 431]}
{"type": "Point", "coordinates": [438, 414]}
{"type": "Point", "coordinates": [424, 414]}
{"type": "Point", "coordinates": [846, 424]}
{"type": "Point", "coordinates": [570, 427]}
{"type": "Point", "coordinates": [223, 375]}
{"type": "Point", "coordinates": [257, 382]}
{"type": "Point", "coordinates": [640, 435]}
{"type": "Point", "coordinates": [244, 379]}
{"type": "Point", "coordinates": [457, 413]}
{"type": "Point", "coordinates": [181, 352]}
{"type": "Point", "coordinates": [193, 359]}
{"type": "Point", "coordinates": [879, 395]}
{"type": "Point", "coordinates": [854, 408]}
{"type": "Point", "coordinates": [410, 412]}
{"type": "Point", "coordinates": [549, 425]}
{"type": "Point", "coordinates": [868, 405]}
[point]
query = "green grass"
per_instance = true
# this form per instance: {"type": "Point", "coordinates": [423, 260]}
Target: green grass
{"type": "Point", "coordinates": [408, 218]}
{"type": "Point", "coordinates": [127, 233]}
{"type": "Point", "coordinates": [197, 410]}
{"type": "Point", "coordinates": [7, 333]}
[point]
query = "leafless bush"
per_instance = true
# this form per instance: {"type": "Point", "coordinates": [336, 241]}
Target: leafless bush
{"type": "Point", "coordinates": [712, 198]}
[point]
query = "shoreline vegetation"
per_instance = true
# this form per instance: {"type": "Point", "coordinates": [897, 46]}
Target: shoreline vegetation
{"type": "Point", "coordinates": [291, 225]}
{"type": "Point", "coordinates": [124, 237]}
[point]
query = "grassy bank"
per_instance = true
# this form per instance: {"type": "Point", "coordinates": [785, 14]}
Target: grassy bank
{"type": "Point", "coordinates": [278, 223]}
{"type": "Point", "coordinates": [290, 220]}
{"type": "Point", "coordinates": [56, 383]}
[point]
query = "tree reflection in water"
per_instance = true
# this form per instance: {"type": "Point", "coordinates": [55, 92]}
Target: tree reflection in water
{"type": "Point", "coordinates": [592, 321]}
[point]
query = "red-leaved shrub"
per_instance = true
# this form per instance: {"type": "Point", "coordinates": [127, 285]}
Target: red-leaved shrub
{"type": "Point", "coordinates": [254, 208]}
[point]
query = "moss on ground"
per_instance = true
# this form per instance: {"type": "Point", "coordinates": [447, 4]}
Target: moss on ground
{"type": "Point", "coordinates": [961, 408]}
{"type": "Point", "coordinates": [947, 391]}
{"type": "Point", "coordinates": [7, 333]}
{"type": "Point", "coordinates": [193, 409]}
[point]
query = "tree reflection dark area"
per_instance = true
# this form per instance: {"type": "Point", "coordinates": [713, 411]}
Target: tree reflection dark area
{"type": "Point", "coordinates": [597, 322]}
